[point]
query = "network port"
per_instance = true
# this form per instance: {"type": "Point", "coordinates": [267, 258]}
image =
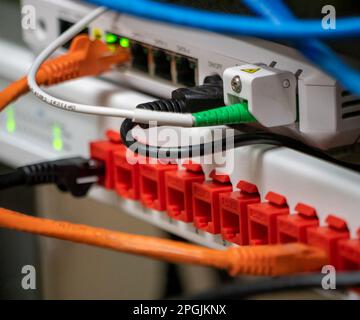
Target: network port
{"type": "Point", "coordinates": [162, 61]}
{"type": "Point", "coordinates": [156, 62]}
{"type": "Point", "coordinates": [186, 70]}
{"type": "Point", "coordinates": [140, 54]}
{"type": "Point", "coordinates": [65, 25]}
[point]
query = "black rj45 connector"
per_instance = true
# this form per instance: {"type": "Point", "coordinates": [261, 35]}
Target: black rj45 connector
{"type": "Point", "coordinates": [75, 175]}
{"type": "Point", "coordinates": [189, 100]}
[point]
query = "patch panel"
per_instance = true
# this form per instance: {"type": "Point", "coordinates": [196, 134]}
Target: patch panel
{"type": "Point", "coordinates": [237, 217]}
{"type": "Point", "coordinates": [234, 217]}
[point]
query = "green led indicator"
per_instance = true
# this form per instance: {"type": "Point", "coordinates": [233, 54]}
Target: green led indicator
{"type": "Point", "coordinates": [111, 38]}
{"type": "Point", "coordinates": [10, 120]}
{"type": "Point", "coordinates": [124, 42]}
{"type": "Point", "coordinates": [57, 141]}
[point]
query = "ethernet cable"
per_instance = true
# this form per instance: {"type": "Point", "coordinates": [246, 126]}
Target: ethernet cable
{"type": "Point", "coordinates": [252, 260]}
{"type": "Point", "coordinates": [75, 175]}
{"type": "Point", "coordinates": [313, 49]}
{"type": "Point", "coordinates": [238, 140]}
{"type": "Point", "coordinates": [231, 23]}
{"type": "Point", "coordinates": [143, 116]}
{"type": "Point", "coordinates": [270, 260]}
{"type": "Point", "coordinates": [85, 58]}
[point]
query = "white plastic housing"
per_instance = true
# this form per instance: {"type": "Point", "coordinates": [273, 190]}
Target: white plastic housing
{"type": "Point", "coordinates": [270, 93]}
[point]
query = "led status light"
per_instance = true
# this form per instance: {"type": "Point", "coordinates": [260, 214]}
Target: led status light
{"type": "Point", "coordinates": [111, 38]}
{"type": "Point", "coordinates": [57, 141]}
{"type": "Point", "coordinates": [124, 42]}
{"type": "Point", "coordinates": [10, 120]}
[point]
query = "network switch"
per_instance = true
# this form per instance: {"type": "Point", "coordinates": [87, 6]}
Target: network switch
{"type": "Point", "coordinates": [327, 115]}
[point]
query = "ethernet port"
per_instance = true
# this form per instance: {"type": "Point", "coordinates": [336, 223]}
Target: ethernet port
{"type": "Point", "coordinates": [186, 71]}
{"type": "Point", "coordinates": [162, 61]}
{"type": "Point", "coordinates": [139, 57]}
{"type": "Point", "coordinates": [63, 26]}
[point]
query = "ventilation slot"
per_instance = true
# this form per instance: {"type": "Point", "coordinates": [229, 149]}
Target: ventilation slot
{"type": "Point", "coordinates": [350, 105]}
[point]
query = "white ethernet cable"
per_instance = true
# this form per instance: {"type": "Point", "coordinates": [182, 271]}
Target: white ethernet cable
{"type": "Point", "coordinates": [138, 115]}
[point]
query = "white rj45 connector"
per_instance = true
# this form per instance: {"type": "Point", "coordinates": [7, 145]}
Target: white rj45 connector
{"type": "Point", "coordinates": [270, 93]}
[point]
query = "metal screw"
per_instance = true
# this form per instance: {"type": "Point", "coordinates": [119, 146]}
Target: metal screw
{"type": "Point", "coordinates": [236, 84]}
{"type": "Point", "coordinates": [286, 83]}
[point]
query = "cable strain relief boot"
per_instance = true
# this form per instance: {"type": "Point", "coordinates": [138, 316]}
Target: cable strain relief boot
{"type": "Point", "coordinates": [275, 260]}
{"type": "Point", "coordinates": [207, 96]}
{"type": "Point", "coordinates": [39, 173]}
{"type": "Point", "coordinates": [74, 175]}
{"type": "Point", "coordinates": [237, 113]}
{"type": "Point", "coordinates": [164, 105]}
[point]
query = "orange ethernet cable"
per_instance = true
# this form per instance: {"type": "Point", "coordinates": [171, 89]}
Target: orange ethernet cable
{"type": "Point", "coordinates": [85, 57]}
{"type": "Point", "coordinates": [269, 260]}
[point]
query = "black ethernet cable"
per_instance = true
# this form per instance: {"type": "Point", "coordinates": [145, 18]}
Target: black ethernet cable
{"type": "Point", "coordinates": [75, 175]}
{"type": "Point", "coordinates": [238, 140]}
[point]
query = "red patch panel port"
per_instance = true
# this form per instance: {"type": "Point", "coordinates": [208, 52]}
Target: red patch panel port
{"type": "Point", "coordinates": [263, 216]}
{"type": "Point", "coordinates": [292, 228]}
{"type": "Point", "coordinates": [328, 237]}
{"type": "Point", "coordinates": [234, 214]}
{"type": "Point", "coordinates": [179, 191]}
{"type": "Point", "coordinates": [126, 170]}
{"type": "Point", "coordinates": [206, 210]}
{"type": "Point", "coordinates": [349, 252]}
{"type": "Point", "coordinates": [152, 184]}
{"type": "Point", "coordinates": [103, 150]}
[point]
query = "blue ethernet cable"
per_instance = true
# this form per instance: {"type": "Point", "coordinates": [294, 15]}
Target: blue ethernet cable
{"type": "Point", "coordinates": [232, 23]}
{"type": "Point", "coordinates": [315, 50]}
